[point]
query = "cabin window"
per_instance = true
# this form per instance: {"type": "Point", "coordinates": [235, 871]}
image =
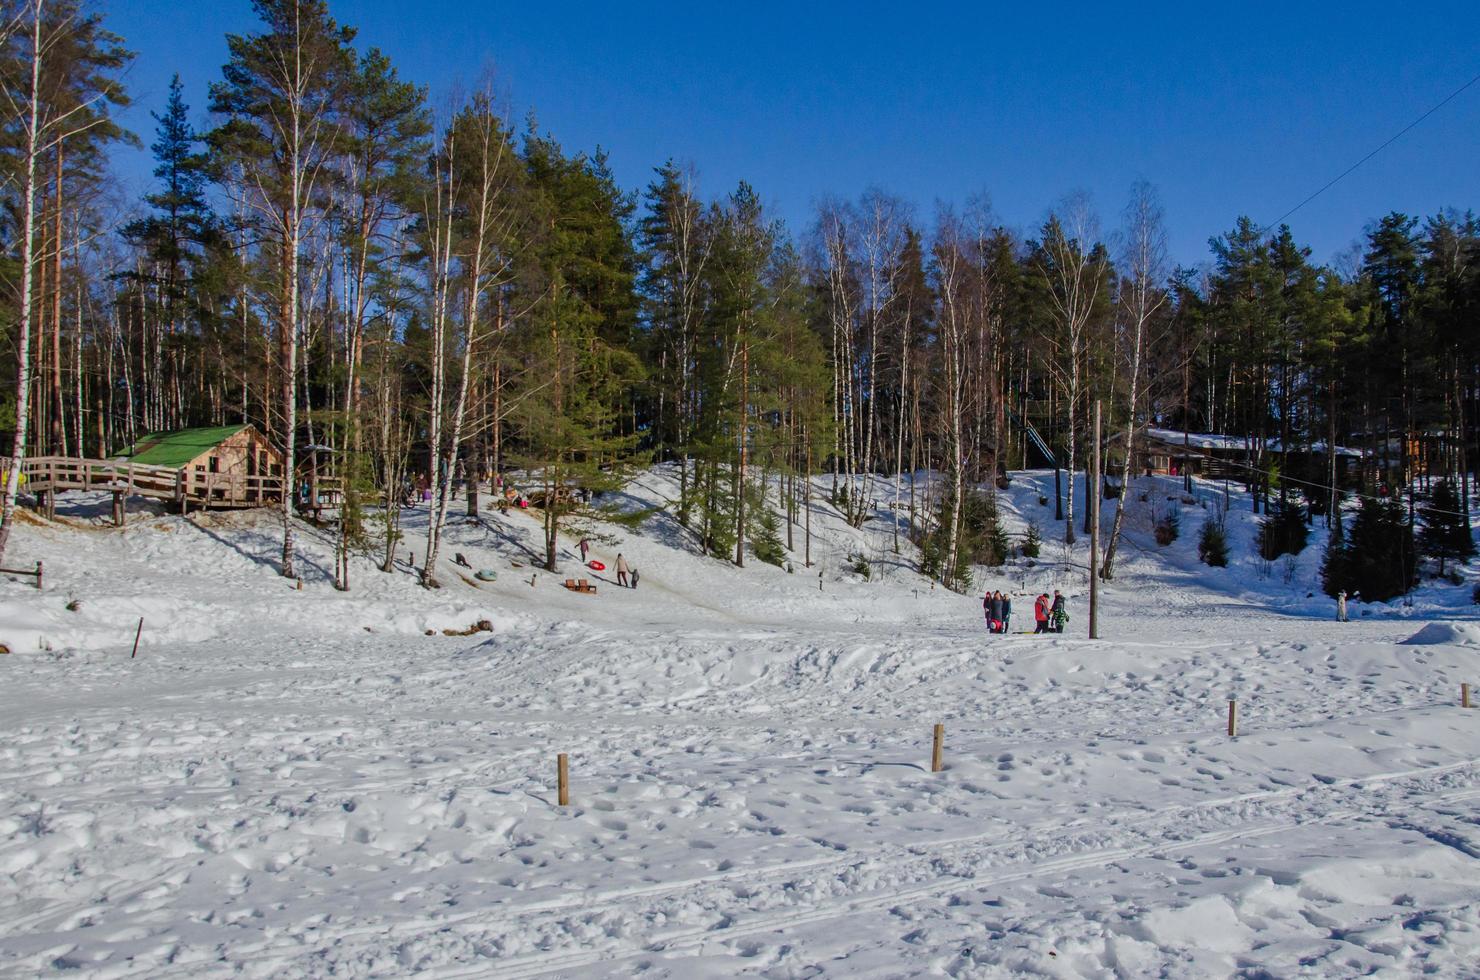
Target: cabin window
{"type": "Point", "coordinates": [214, 464]}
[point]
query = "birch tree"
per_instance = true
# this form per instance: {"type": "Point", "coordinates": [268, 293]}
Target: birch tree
{"type": "Point", "coordinates": [280, 95]}
{"type": "Point", "coordinates": [1073, 268]}
{"type": "Point", "coordinates": [1142, 297]}
{"type": "Point", "coordinates": [58, 85]}
{"type": "Point", "coordinates": [475, 224]}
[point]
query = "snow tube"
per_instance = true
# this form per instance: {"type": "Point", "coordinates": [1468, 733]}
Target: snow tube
{"type": "Point", "coordinates": [485, 575]}
{"type": "Point", "coordinates": [595, 566]}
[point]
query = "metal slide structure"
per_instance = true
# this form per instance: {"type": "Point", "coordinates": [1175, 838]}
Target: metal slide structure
{"type": "Point", "coordinates": [1033, 437]}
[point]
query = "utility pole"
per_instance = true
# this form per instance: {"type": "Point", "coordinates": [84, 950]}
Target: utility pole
{"type": "Point", "coordinates": [1094, 531]}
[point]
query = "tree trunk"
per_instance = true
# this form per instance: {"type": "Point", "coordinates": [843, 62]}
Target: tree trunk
{"type": "Point", "coordinates": [28, 264]}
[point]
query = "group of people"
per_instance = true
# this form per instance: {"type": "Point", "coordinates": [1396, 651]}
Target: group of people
{"type": "Point", "coordinates": [1049, 615]}
{"type": "Point", "coordinates": [998, 608]}
{"type": "Point", "coordinates": [627, 576]}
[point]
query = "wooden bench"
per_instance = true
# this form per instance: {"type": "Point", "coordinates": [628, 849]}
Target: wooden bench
{"type": "Point", "coordinates": [580, 586]}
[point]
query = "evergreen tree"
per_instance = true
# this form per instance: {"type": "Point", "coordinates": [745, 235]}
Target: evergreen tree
{"type": "Point", "coordinates": [765, 534]}
{"type": "Point", "coordinates": [1033, 543]}
{"type": "Point", "coordinates": [1212, 542]}
{"type": "Point", "coordinates": [183, 222]}
{"type": "Point", "coordinates": [1446, 528]}
{"type": "Point", "coordinates": [1380, 556]}
{"type": "Point", "coordinates": [1336, 574]}
{"type": "Point", "coordinates": [574, 344]}
{"type": "Point", "coordinates": [937, 559]}
{"type": "Point", "coordinates": [1283, 532]}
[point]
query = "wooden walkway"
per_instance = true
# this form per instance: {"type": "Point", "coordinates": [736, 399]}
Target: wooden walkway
{"type": "Point", "coordinates": [48, 475]}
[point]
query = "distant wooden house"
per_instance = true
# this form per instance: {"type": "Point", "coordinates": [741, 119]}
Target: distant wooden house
{"type": "Point", "coordinates": [233, 465]}
{"type": "Point", "coordinates": [1232, 457]}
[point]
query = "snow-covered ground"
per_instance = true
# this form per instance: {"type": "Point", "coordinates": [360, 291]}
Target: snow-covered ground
{"type": "Point", "coordinates": [289, 782]}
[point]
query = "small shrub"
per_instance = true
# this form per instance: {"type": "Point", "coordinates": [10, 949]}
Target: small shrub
{"type": "Point", "coordinates": [1212, 543]}
{"type": "Point", "coordinates": [862, 567]}
{"type": "Point", "coordinates": [1168, 528]}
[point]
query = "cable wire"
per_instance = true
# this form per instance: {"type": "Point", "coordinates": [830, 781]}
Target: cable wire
{"type": "Point", "coordinates": [1390, 141]}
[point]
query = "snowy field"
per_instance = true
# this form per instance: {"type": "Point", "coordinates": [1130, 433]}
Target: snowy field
{"type": "Point", "coordinates": [305, 783]}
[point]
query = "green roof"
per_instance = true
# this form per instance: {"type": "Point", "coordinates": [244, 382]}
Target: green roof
{"type": "Point", "coordinates": [177, 448]}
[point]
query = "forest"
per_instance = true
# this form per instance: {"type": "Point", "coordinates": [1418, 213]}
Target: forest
{"type": "Point", "coordinates": [409, 285]}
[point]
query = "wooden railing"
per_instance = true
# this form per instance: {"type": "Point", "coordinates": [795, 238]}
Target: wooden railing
{"type": "Point", "coordinates": [48, 474]}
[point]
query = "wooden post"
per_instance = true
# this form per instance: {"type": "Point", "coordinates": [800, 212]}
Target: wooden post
{"type": "Point", "coordinates": [562, 778]}
{"type": "Point", "coordinates": [1232, 718]}
{"type": "Point", "coordinates": [137, 633]}
{"type": "Point", "coordinates": [118, 508]}
{"type": "Point", "coordinates": [300, 583]}
{"type": "Point", "coordinates": [1464, 695]}
{"type": "Point", "coordinates": [937, 750]}
{"type": "Point", "coordinates": [38, 576]}
{"type": "Point", "coordinates": [1094, 531]}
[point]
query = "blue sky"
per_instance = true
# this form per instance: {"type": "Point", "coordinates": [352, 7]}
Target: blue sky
{"type": "Point", "coordinates": [1237, 108]}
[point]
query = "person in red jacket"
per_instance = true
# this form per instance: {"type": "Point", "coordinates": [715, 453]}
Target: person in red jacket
{"type": "Point", "coordinates": [1040, 613]}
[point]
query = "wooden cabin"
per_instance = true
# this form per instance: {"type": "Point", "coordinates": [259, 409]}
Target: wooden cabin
{"type": "Point", "coordinates": [233, 465]}
{"type": "Point", "coordinates": [1215, 456]}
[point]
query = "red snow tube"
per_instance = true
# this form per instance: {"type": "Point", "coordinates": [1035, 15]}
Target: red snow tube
{"type": "Point", "coordinates": [596, 566]}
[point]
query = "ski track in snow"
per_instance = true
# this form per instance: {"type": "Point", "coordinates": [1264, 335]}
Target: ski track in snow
{"type": "Point", "coordinates": [292, 783]}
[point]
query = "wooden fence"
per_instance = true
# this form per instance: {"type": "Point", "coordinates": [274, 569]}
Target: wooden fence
{"type": "Point", "coordinates": [46, 475]}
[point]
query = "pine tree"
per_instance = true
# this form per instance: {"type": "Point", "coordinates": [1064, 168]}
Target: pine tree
{"type": "Point", "coordinates": [183, 222]}
{"type": "Point", "coordinates": [1336, 574]}
{"type": "Point", "coordinates": [1446, 528]}
{"type": "Point", "coordinates": [985, 531]}
{"type": "Point", "coordinates": [1381, 558]}
{"type": "Point", "coordinates": [765, 535]}
{"type": "Point", "coordinates": [575, 343]}
{"type": "Point", "coordinates": [279, 97]}
{"type": "Point", "coordinates": [1284, 532]}
{"type": "Point", "coordinates": [1033, 543]}
{"type": "Point", "coordinates": [1212, 542]}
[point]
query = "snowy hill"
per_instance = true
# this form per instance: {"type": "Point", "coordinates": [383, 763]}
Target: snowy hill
{"type": "Point", "coordinates": [306, 782]}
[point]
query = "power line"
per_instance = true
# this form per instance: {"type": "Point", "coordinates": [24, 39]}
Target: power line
{"type": "Point", "coordinates": [1390, 141]}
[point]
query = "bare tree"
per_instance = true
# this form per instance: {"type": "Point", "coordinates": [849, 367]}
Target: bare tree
{"type": "Point", "coordinates": [476, 223]}
{"type": "Point", "coordinates": [1142, 296]}
{"type": "Point", "coordinates": [954, 274]}
{"type": "Point", "coordinates": [1073, 267]}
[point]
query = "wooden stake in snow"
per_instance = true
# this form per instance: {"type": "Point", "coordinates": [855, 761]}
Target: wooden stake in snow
{"type": "Point", "coordinates": [21, 571]}
{"type": "Point", "coordinates": [937, 751]}
{"type": "Point", "coordinates": [137, 633]}
{"type": "Point", "coordinates": [300, 583]}
{"type": "Point", "coordinates": [1232, 718]}
{"type": "Point", "coordinates": [562, 778]}
{"type": "Point", "coordinates": [1464, 695]}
